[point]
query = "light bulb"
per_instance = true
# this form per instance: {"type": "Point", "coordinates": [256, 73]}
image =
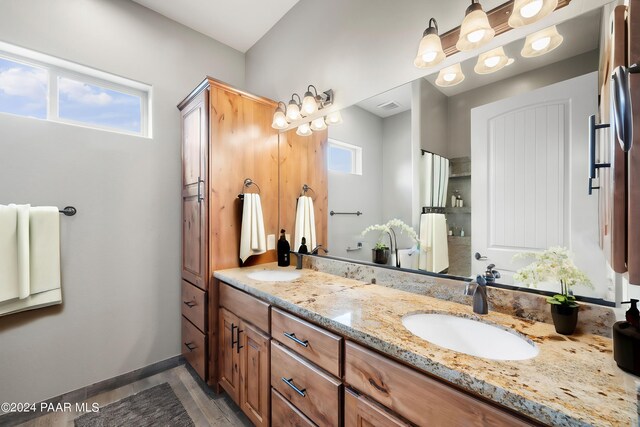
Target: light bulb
{"type": "Point", "coordinates": [333, 118]}
{"type": "Point", "coordinates": [429, 56]}
{"type": "Point", "coordinates": [475, 36]}
{"type": "Point", "coordinates": [449, 77]}
{"type": "Point", "coordinates": [304, 130]}
{"type": "Point", "coordinates": [279, 120]}
{"type": "Point", "coordinates": [492, 61]}
{"type": "Point", "coordinates": [309, 105]}
{"type": "Point", "coordinates": [293, 112]}
{"type": "Point", "coordinates": [318, 124]}
{"type": "Point", "coordinates": [531, 9]}
{"type": "Point", "coordinates": [541, 43]}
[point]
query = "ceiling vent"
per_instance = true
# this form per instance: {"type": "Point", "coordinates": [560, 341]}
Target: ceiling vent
{"type": "Point", "coordinates": [390, 105]}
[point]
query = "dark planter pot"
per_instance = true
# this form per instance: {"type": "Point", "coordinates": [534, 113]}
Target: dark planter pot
{"type": "Point", "coordinates": [380, 256]}
{"type": "Point", "coordinates": [565, 318]}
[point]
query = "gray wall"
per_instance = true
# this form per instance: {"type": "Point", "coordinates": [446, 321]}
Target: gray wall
{"type": "Point", "coordinates": [434, 119]}
{"type": "Point", "coordinates": [121, 252]}
{"type": "Point", "coordinates": [351, 193]}
{"type": "Point", "coordinates": [459, 106]}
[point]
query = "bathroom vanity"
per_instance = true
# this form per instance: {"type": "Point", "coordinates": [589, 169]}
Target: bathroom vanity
{"type": "Point", "coordinates": [339, 353]}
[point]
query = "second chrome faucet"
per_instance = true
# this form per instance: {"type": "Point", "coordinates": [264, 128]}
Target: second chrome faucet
{"type": "Point", "coordinates": [479, 291]}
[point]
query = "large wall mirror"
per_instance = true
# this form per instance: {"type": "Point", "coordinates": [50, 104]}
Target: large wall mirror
{"type": "Point", "coordinates": [494, 165]}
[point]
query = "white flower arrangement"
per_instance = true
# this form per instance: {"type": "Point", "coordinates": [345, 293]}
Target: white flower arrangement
{"type": "Point", "coordinates": [554, 263]}
{"type": "Point", "coordinates": [387, 228]}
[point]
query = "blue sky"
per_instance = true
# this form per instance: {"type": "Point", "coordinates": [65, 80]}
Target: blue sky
{"type": "Point", "coordinates": [340, 159]}
{"type": "Point", "coordinates": [24, 91]}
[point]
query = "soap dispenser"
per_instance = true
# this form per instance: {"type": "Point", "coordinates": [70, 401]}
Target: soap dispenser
{"type": "Point", "coordinates": [626, 340]}
{"type": "Point", "coordinates": [284, 250]}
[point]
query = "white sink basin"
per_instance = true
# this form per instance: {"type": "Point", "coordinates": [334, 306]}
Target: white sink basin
{"type": "Point", "coordinates": [274, 275]}
{"type": "Point", "coordinates": [470, 336]}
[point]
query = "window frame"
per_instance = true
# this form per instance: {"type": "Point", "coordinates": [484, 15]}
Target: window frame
{"type": "Point", "coordinates": [59, 68]}
{"type": "Point", "coordinates": [356, 156]}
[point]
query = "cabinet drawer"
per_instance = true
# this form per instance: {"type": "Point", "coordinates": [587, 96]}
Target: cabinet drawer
{"type": "Point", "coordinates": [284, 414]}
{"type": "Point", "coordinates": [319, 346]}
{"type": "Point", "coordinates": [417, 397]}
{"type": "Point", "coordinates": [245, 306]}
{"type": "Point", "coordinates": [194, 305]}
{"type": "Point", "coordinates": [194, 345]}
{"type": "Point", "coordinates": [316, 393]}
{"type": "Point", "coordinates": [361, 412]}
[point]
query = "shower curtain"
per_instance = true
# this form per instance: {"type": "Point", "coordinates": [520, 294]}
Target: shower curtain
{"type": "Point", "coordinates": [434, 250]}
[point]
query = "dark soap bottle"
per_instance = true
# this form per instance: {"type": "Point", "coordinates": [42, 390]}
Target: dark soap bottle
{"type": "Point", "coordinates": [284, 250]}
{"type": "Point", "coordinates": [303, 247]}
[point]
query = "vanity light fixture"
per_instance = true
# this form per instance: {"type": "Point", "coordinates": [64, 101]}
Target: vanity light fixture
{"type": "Point", "coordinates": [310, 101]}
{"type": "Point", "coordinates": [475, 30]}
{"type": "Point", "coordinates": [318, 124]}
{"type": "Point", "coordinates": [450, 76]}
{"type": "Point", "coordinates": [529, 11]}
{"type": "Point", "coordinates": [430, 51]}
{"type": "Point", "coordinates": [304, 130]}
{"type": "Point", "coordinates": [491, 61]}
{"type": "Point", "coordinates": [279, 119]}
{"type": "Point", "coordinates": [293, 109]}
{"type": "Point", "coordinates": [334, 118]}
{"type": "Point", "coordinates": [542, 42]}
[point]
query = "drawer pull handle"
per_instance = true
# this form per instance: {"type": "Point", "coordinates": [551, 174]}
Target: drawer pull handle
{"type": "Point", "coordinates": [190, 346]}
{"type": "Point", "coordinates": [293, 337]}
{"type": "Point", "coordinates": [238, 346]}
{"type": "Point", "coordinates": [290, 383]}
{"type": "Point", "coordinates": [189, 304]}
{"type": "Point", "coordinates": [233, 341]}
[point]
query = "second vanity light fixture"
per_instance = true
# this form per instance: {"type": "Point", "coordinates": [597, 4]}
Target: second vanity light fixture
{"type": "Point", "coordinates": [541, 42]}
{"type": "Point", "coordinates": [527, 12]}
{"type": "Point", "coordinates": [475, 30]}
{"type": "Point", "coordinates": [309, 105]}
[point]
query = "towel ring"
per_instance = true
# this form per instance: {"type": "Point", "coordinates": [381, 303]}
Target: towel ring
{"type": "Point", "coordinates": [305, 189]}
{"type": "Point", "coordinates": [248, 182]}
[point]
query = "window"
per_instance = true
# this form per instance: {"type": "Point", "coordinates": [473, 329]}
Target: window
{"type": "Point", "coordinates": [345, 158]}
{"type": "Point", "coordinates": [44, 87]}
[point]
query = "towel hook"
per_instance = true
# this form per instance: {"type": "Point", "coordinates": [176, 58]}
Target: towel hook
{"type": "Point", "coordinates": [248, 182]}
{"type": "Point", "coordinates": [305, 189]}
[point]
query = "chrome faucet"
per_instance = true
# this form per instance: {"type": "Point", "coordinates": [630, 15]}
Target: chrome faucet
{"type": "Point", "coordinates": [491, 274]}
{"type": "Point", "coordinates": [315, 250]}
{"type": "Point", "coordinates": [479, 291]}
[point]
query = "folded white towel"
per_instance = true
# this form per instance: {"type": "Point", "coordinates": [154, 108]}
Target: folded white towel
{"type": "Point", "coordinates": [252, 234]}
{"type": "Point", "coordinates": [434, 249]}
{"type": "Point", "coordinates": [44, 248]}
{"type": "Point", "coordinates": [305, 224]}
{"type": "Point", "coordinates": [9, 288]}
{"type": "Point", "coordinates": [24, 251]}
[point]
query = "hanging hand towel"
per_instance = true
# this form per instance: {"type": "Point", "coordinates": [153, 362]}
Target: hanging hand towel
{"type": "Point", "coordinates": [9, 288]}
{"type": "Point", "coordinates": [44, 248]}
{"type": "Point", "coordinates": [252, 237]}
{"type": "Point", "coordinates": [434, 250]}
{"type": "Point", "coordinates": [305, 223]}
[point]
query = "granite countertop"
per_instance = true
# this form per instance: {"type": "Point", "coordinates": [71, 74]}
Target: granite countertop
{"type": "Point", "coordinates": [573, 380]}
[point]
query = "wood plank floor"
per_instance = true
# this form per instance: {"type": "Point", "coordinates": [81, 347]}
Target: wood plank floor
{"type": "Point", "coordinates": [204, 408]}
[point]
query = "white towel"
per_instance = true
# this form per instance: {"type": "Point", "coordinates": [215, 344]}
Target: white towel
{"type": "Point", "coordinates": [305, 224]}
{"type": "Point", "coordinates": [9, 288]}
{"type": "Point", "coordinates": [44, 248]}
{"type": "Point", "coordinates": [252, 236]}
{"type": "Point", "coordinates": [24, 251]}
{"type": "Point", "coordinates": [434, 250]}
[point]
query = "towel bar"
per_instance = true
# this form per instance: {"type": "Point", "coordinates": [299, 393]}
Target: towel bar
{"type": "Point", "coordinates": [358, 213]}
{"type": "Point", "coordinates": [68, 211]}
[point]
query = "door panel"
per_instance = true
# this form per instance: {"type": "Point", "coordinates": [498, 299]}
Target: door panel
{"type": "Point", "coordinates": [254, 374]}
{"type": "Point", "coordinates": [229, 357]}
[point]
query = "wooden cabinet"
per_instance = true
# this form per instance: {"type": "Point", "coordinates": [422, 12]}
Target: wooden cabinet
{"type": "Point", "coordinates": [244, 356]}
{"type": "Point", "coordinates": [418, 397]}
{"type": "Point", "coordinates": [226, 137]}
{"type": "Point", "coordinates": [284, 414]}
{"type": "Point", "coordinates": [194, 347]}
{"type": "Point", "coordinates": [360, 411]}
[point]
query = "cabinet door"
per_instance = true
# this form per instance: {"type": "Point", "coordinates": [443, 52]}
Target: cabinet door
{"type": "Point", "coordinates": [254, 374]}
{"type": "Point", "coordinates": [229, 356]}
{"type": "Point", "coordinates": [361, 412]}
{"type": "Point", "coordinates": [195, 139]}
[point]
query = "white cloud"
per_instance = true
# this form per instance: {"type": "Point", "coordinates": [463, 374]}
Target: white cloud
{"type": "Point", "coordinates": [31, 83]}
{"type": "Point", "coordinates": [83, 93]}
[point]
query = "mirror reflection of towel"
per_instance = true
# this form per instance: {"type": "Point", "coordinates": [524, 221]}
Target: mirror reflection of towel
{"type": "Point", "coordinates": [305, 224]}
{"type": "Point", "coordinates": [434, 250]}
{"type": "Point", "coordinates": [252, 235]}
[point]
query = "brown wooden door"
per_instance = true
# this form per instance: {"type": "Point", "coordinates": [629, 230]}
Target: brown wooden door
{"type": "Point", "coordinates": [361, 412]}
{"type": "Point", "coordinates": [229, 357]}
{"type": "Point", "coordinates": [254, 374]}
{"type": "Point", "coordinates": [195, 140]}
{"type": "Point", "coordinates": [633, 229]}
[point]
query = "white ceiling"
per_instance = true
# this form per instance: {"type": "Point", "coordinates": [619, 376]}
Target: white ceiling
{"type": "Point", "coordinates": [581, 34]}
{"type": "Point", "coordinates": [236, 23]}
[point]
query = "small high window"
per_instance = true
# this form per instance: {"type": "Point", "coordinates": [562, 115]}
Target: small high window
{"type": "Point", "coordinates": [345, 158]}
{"type": "Point", "coordinates": [40, 86]}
